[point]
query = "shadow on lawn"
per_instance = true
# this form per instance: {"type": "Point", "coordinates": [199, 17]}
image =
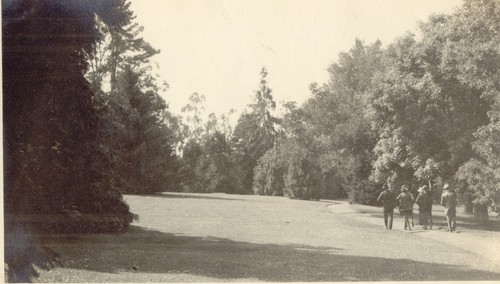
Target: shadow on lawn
{"type": "Point", "coordinates": [148, 251]}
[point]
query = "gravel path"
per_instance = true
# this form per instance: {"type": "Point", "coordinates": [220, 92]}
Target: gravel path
{"type": "Point", "coordinates": [219, 237]}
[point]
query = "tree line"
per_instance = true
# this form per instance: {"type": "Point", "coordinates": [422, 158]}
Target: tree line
{"type": "Point", "coordinates": [422, 110]}
{"type": "Point", "coordinates": [85, 120]}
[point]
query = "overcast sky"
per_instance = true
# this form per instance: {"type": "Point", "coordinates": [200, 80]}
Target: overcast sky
{"type": "Point", "coordinates": [217, 48]}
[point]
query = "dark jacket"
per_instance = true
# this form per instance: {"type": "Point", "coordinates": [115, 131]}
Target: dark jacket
{"type": "Point", "coordinates": [424, 202]}
{"type": "Point", "coordinates": [449, 199]}
{"type": "Point", "coordinates": [405, 201]}
{"type": "Point", "coordinates": [388, 198]}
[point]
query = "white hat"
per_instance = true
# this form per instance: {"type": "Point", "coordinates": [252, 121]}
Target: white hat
{"type": "Point", "coordinates": [422, 188]}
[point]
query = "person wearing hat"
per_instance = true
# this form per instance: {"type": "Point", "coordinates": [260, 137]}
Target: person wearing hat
{"type": "Point", "coordinates": [449, 201]}
{"type": "Point", "coordinates": [405, 199]}
{"type": "Point", "coordinates": [424, 202]}
{"type": "Point", "coordinates": [388, 198]}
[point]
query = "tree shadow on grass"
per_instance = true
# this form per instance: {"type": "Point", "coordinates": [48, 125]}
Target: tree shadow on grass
{"type": "Point", "coordinates": [148, 251]}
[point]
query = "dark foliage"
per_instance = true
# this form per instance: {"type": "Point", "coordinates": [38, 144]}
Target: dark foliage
{"type": "Point", "coordinates": [53, 163]}
{"type": "Point", "coordinates": [52, 160]}
{"type": "Point", "coordinates": [255, 133]}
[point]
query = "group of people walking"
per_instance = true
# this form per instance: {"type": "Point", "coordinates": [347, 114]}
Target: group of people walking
{"type": "Point", "coordinates": [405, 203]}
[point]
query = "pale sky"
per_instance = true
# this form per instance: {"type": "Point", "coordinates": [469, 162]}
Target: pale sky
{"type": "Point", "coordinates": [217, 48]}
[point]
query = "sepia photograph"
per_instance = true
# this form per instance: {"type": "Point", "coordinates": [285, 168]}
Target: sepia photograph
{"type": "Point", "coordinates": [237, 141]}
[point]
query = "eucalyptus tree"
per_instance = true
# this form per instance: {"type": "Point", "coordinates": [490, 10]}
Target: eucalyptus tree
{"type": "Point", "coordinates": [193, 112]}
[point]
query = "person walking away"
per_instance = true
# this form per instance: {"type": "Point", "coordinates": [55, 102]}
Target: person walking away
{"type": "Point", "coordinates": [405, 199]}
{"type": "Point", "coordinates": [388, 198]}
{"type": "Point", "coordinates": [429, 192]}
{"type": "Point", "coordinates": [424, 202]}
{"type": "Point", "coordinates": [449, 201]}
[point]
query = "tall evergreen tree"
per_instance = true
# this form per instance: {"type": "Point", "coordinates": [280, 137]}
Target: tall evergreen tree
{"type": "Point", "coordinates": [133, 119]}
{"type": "Point", "coordinates": [119, 46]}
{"type": "Point", "coordinates": [53, 162]}
{"type": "Point", "coordinates": [255, 132]}
{"type": "Point", "coordinates": [55, 171]}
{"type": "Point", "coordinates": [144, 139]}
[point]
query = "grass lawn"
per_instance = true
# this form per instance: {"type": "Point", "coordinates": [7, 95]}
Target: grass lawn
{"type": "Point", "coordinates": [231, 238]}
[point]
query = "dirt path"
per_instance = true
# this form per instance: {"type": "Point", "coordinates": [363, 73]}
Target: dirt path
{"type": "Point", "coordinates": [480, 241]}
{"type": "Point", "coordinates": [218, 237]}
